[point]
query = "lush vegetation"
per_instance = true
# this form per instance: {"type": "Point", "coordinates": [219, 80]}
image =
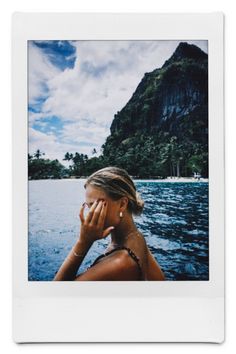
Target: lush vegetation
{"type": "Point", "coordinates": [80, 165]}
{"type": "Point", "coordinates": [40, 168]}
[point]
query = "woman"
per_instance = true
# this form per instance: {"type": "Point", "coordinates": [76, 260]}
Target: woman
{"type": "Point", "coordinates": [112, 198]}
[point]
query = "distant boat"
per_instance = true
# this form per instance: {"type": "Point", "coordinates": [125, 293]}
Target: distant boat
{"type": "Point", "coordinates": [197, 175]}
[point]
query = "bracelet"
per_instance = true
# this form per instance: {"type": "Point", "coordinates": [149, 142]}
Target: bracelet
{"type": "Point", "coordinates": [76, 254]}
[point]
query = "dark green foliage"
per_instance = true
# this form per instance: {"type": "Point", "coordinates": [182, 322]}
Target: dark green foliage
{"type": "Point", "coordinates": [39, 168]}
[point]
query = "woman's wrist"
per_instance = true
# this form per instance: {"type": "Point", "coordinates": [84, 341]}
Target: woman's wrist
{"type": "Point", "coordinates": [82, 246]}
{"type": "Point", "coordinates": [73, 261]}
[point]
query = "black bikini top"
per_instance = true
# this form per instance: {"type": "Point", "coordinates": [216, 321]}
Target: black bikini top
{"type": "Point", "coordinates": [131, 253]}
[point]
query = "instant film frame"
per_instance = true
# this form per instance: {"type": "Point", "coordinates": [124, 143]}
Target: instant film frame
{"type": "Point", "coordinates": [80, 311]}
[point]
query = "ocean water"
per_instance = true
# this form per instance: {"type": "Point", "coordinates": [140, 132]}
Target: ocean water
{"type": "Point", "coordinates": [174, 223]}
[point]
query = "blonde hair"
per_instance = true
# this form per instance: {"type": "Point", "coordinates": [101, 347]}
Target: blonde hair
{"type": "Point", "coordinates": [117, 183]}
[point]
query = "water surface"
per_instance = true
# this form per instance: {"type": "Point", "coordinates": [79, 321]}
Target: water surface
{"type": "Point", "coordinates": [174, 223]}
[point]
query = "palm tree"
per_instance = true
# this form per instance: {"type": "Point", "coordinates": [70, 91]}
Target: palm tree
{"type": "Point", "coordinates": [68, 157]}
{"type": "Point", "coordinates": [38, 154]}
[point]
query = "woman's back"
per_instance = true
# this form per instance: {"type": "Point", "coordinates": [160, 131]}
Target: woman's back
{"type": "Point", "coordinates": [131, 254]}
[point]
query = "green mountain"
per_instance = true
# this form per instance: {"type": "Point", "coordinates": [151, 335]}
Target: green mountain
{"type": "Point", "coordinates": [163, 129]}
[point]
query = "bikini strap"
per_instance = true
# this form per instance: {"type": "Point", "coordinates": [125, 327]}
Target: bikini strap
{"type": "Point", "coordinates": [131, 253]}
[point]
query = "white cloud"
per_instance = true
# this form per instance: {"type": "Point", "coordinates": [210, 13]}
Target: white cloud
{"type": "Point", "coordinates": [80, 133]}
{"type": "Point", "coordinates": [40, 71]}
{"type": "Point", "coordinates": [48, 144]}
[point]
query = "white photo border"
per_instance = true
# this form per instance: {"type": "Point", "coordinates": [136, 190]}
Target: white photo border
{"type": "Point", "coordinates": [45, 311]}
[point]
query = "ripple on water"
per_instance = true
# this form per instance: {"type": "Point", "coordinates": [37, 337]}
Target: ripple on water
{"type": "Point", "coordinates": [168, 245]}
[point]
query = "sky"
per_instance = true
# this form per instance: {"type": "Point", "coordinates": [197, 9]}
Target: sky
{"type": "Point", "coordinates": [76, 87]}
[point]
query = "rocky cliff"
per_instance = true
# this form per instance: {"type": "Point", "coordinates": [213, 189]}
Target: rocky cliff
{"type": "Point", "coordinates": [165, 122]}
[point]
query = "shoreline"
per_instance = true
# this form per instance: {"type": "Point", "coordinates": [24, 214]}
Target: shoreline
{"type": "Point", "coordinates": [171, 180]}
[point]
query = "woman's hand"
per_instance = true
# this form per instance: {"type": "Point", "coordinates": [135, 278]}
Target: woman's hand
{"type": "Point", "coordinates": [92, 226]}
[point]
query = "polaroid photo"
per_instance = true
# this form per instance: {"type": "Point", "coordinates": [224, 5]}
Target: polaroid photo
{"type": "Point", "coordinates": [118, 177]}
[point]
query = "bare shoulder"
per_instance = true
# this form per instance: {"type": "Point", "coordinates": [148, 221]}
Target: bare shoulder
{"type": "Point", "coordinates": [117, 266]}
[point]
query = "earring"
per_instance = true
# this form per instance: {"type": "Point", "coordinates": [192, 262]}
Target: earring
{"type": "Point", "coordinates": [121, 214]}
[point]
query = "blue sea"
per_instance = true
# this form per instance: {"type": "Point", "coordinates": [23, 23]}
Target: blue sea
{"type": "Point", "coordinates": [174, 223]}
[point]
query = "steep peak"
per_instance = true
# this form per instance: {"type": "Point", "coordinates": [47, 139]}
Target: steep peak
{"type": "Point", "coordinates": [186, 51]}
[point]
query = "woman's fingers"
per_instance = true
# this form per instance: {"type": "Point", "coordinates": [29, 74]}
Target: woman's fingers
{"type": "Point", "coordinates": [90, 213]}
{"type": "Point", "coordinates": [81, 214]}
{"type": "Point", "coordinates": [108, 231]}
{"type": "Point", "coordinates": [96, 213]}
{"type": "Point", "coordinates": [102, 215]}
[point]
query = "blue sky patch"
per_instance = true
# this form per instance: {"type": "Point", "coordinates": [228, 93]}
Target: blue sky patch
{"type": "Point", "coordinates": [62, 54]}
{"type": "Point", "coordinates": [36, 107]}
{"type": "Point", "coordinates": [49, 124]}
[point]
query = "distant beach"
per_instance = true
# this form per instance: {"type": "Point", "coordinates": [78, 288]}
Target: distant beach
{"type": "Point", "coordinates": [176, 179]}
